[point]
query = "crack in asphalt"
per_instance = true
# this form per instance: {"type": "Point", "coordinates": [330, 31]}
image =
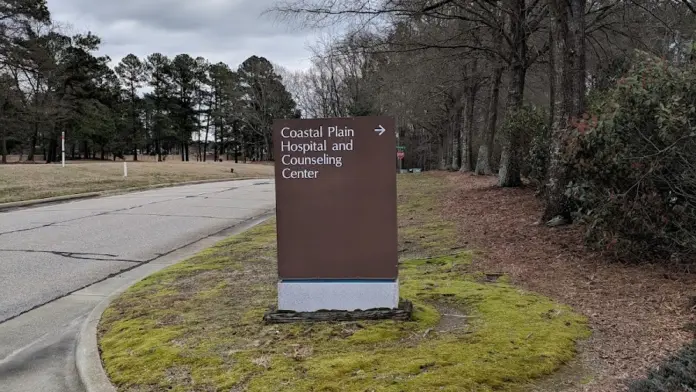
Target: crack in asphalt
{"type": "Point", "coordinates": [227, 198]}
{"type": "Point", "coordinates": [82, 217]}
{"type": "Point", "coordinates": [175, 216]}
{"type": "Point", "coordinates": [108, 257]}
{"type": "Point", "coordinates": [220, 191]}
{"type": "Point", "coordinates": [135, 265]}
{"type": "Point", "coordinates": [112, 211]}
{"type": "Point", "coordinates": [75, 255]}
{"type": "Point", "coordinates": [226, 207]}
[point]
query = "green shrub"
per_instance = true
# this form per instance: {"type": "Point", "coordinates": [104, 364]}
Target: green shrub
{"type": "Point", "coordinates": [677, 374]}
{"type": "Point", "coordinates": [633, 166]}
{"type": "Point", "coordinates": [529, 124]}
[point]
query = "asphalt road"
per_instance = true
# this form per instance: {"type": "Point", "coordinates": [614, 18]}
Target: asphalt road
{"type": "Point", "coordinates": [57, 262]}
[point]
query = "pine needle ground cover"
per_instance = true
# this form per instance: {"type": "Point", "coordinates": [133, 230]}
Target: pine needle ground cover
{"type": "Point", "coordinates": [196, 326]}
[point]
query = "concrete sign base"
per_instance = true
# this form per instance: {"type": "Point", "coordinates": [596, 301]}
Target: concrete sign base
{"type": "Point", "coordinates": [311, 296]}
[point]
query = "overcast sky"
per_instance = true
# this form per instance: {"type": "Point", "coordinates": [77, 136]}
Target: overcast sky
{"type": "Point", "coordinates": [219, 30]}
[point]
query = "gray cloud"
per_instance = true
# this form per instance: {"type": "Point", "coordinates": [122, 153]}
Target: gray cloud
{"type": "Point", "coordinates": [216, 16]}
{"type": "Point", "coordinates": [220, 30]}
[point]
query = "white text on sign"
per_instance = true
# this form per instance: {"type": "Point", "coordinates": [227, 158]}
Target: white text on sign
{"type": "Point", "coordinates": [302, 141]}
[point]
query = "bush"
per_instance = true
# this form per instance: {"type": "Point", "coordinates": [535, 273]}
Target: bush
{"type": "Point", "coordinates": [677, 374]}
{"type": "Point", "coordinates": [529, 124]}
{"type": "Point", "coordinates": [633, 166]}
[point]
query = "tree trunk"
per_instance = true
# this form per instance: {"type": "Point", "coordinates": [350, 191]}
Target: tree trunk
{"type": "Point", "coordinates": [510, 159]}
{"type": "Point", "coordinates": [442, 152]}
{"type": "Point", "coordinates": [3, 145]}
{"type": "Point", "coordinates": [51, 153]}
{"type": "Point", "coordinates": [157, 131]}
{"type": "Point", "coordinates": [244, 149]}
{"type": "Point", "coordinates": [268, 148]}
{"type": "Point", "coordinates": [232, 137]}
{"type": "Point", "coordinates": [577, 57]}
{"type": "Point", "coordinates": [509, 173]}
{"type": "Point", "coordinates": [158, 146]}
{"type": "Point", "coordinates": [219, 147]}
{"type": "Point", "coordinates": [468, 134]}
{"type": "Point", "coordinates": [457, 137]}
{"type": "Point", "coordinates": [552, 75]}
{"type": "Point", "coordinates": [134, 127]}
{"type": "Point", "coordinates": [237, 145]}
{"type": "Point", "coordinates": [216, 124]}
{"type": "Point", "coordinates": [216, 144]}
{"type": "Point", "coordinates": [483, 163]}
{"type": "Point", "coordinates": [568, 46]}
{"type": "Point", "coordinates": [34, 137]}
{"type": "Point", "coordinates": [205, 142]}
{"type": "Point", "coordinates": [85, 146]}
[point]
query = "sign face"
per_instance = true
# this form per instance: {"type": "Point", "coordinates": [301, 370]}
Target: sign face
{"type": "Point", "coordinates": [335, 184]}
{"type": "Point", "coordinates": [400, 154]}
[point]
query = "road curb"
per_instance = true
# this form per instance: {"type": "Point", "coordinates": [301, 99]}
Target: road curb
{"type": "Point", "coordinates": [90, 195]}
{"type": "Point", "coordinates": [56, 199]}
{"type": "Point", "coordinates": [87, 354]}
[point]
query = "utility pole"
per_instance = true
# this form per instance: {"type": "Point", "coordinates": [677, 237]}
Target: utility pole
{"type": "Point", "coordinates": [62, 147]}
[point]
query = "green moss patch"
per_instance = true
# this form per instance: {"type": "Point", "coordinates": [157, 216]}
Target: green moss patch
{"type": "Point", "coordinates": [196, 326]}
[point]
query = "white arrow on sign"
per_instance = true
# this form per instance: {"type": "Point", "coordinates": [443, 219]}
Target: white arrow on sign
{"type": "Point", "coordinates": [381, 130]}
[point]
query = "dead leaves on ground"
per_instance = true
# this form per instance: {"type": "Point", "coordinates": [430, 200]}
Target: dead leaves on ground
{"type": "Point", "coordinates": [639, 314]}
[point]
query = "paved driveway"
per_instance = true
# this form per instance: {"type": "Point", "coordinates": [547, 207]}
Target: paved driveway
{"type": "Point", "coordinates": [49, 252]}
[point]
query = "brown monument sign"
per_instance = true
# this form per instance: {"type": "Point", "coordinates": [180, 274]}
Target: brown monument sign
{"type": "Point", "coordinates": [335, 182]}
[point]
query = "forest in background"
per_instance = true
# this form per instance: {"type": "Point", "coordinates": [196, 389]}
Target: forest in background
{"type": "Point", "coordinates": [590, 101]}
{"type": "Point", "coordinates": [54, 84]}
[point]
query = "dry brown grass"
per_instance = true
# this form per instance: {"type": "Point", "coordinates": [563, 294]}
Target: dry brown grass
{"type": "Point", "coordinates": [26, 182]}
{"type": "Point", "coordinates": [175, 158]}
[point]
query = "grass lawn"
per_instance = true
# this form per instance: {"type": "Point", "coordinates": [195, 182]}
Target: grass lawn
{"type": "Point", "coordinates": [26, 182]}
{"type": "Point", "coordinates": [196, 326]}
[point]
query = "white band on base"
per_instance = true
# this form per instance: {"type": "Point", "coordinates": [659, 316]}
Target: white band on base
{"type": "Point", "coordinates": [310, 296]}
